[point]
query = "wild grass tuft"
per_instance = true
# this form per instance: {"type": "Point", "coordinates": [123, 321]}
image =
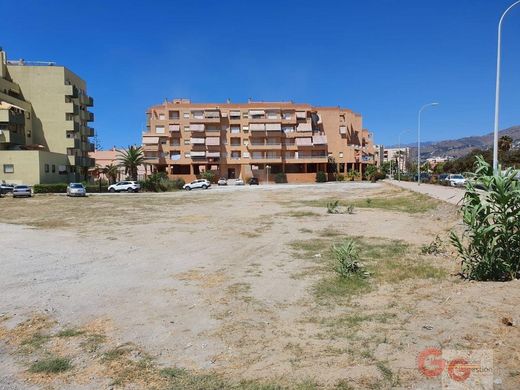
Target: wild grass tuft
{"type": "Point", "coordinates": [51, 365]}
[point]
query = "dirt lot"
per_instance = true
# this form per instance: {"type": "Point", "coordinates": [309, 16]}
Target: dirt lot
{"type": "Point", "coordinates": [236, 289]}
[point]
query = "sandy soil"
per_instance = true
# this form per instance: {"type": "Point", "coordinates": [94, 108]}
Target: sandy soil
{"type": "Point", "coordinates": [210, 281]}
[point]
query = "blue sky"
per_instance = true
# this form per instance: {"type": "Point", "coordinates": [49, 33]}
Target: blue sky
{"type": "Point", "coordinates": [381, 58]}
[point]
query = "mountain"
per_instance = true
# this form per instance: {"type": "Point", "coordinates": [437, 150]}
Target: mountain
{"type": "Point", "coordinates": [462, 146]}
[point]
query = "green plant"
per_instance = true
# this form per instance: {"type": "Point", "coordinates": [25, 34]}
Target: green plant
{"type": "Point", "coordinates": [333, 207]}
{"type": "Point", "coordinates": [490, 244]}
{"type": "Point", "coordinates": [346, 256]}
{"type": "Point", "coordinates": [131, 158]}
{"type": "Point", "coordinates": [159, 182]}
{"type": "Point", "coordinates": [280, 177]}
{"type": "Point", "coordinates": [50, 188]}
{"type": "Point", "coordinates": [352, 175]}
{"type": "Point", "coordinates": [321, 177]}
{"type": "Point", "coordinates": [340, 177]}
{"type": "Point", "coordinates": [209, 176]}
{"type": "Point", "coordinates": [51, 365]}
{"type": "Point", "coordinates": [370, 173]}
{"type": "Point", "coordinates": [433, 248]}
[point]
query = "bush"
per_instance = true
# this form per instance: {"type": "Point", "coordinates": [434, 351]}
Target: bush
{"type": "Point", "coordinates": [490, 244]}
{"type": "Point", "coordinates": [209, 176]}
{"type": "Point", "coordinates": [159, 182]}
{"type": "Point", "coordinates": [94, 188]}
{"type": "Point", "coordinates": [340, 177]}
{"type": "Point", "coordinates": [346, 256]}
{"type": "Point", "coordinates": [59, 188]}
{"type": "Point", "coordinates": [280, 177]}
{"type": "Point", "coordinates": [351, 175]}
{"type": "Point", "coordinates": [379, 176]}
{"type": "Point", "coordinates": [321, 177]}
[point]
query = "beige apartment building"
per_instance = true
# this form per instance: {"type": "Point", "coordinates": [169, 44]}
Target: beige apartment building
{"type": "Point", "coordinates": [44, 132]}
{"type": "Point", "coordinates": [254, 139]}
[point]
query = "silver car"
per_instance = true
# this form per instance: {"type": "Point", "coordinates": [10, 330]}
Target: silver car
{"type": "Point", "coordinates": [22, 191]}
{"type": "Point", "coordinates": [76, 189]}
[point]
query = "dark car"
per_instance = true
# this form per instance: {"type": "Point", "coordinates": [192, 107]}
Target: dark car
{"type": "Point", "coordinates": [253, 181]}
{"type": "Point", "coordinates": [6, 188]}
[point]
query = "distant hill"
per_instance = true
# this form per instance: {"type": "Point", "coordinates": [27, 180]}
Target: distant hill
{"type": "Point", "coordinates": [461, 147]}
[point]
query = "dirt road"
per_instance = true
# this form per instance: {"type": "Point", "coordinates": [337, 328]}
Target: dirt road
{"type": "Point", "coordinates": [237, 283]}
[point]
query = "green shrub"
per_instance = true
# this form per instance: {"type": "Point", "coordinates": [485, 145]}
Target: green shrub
{"type": "Point", "coordinates": [340, 177]}
{"type": "Point", "coordinates": [333, 207]}
{"type": "Point", "coordinates": [321, 177]}
{"type": "Point", "coordinates": [280, 177]}
{"type": "Point", "coordinates": [51, 365]}
{"type": "Point", "coordinates": [209, 176]}
{"type": "Point", "coordinates": [435, 247]}
{"type": "Point", "coordinates": [490, 244]}
{"type": "Point", "coordinates": [159, 182]}
{"type": "Point", "coordinates": [59, 188]}
{"type": "Point", "coordinates": [346, 256]}
{"type": "Point", "coordinates": [94, 188]}
{"type": "Point", "coordinates": [352, 175]}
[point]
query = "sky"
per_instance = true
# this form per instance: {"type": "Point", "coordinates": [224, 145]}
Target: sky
{"type": "Point", "coordinates": [381, 58]}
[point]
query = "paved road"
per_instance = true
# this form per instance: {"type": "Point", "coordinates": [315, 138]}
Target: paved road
{"type": "Point", "coordinates": [447, 194]}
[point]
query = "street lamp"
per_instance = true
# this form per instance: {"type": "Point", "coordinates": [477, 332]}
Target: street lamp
{"type": "Point", "coordinates": [267, 167]}
{"type": "Point", "coordinates": [497, 89]}
{"type": "Point", "coordinates": [399, 163]}
{"type": "Point", "coordinates": [419, 140]}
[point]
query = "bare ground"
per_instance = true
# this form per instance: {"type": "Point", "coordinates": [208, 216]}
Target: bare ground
{"type": "Point", "coordinates": [237, 285]}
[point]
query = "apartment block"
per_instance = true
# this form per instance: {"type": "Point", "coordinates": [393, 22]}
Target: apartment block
{"type": "Point", "coordinates": [397, 157]}
{"type": "Point", "coordinates": [44, 123]}
{"type": "Point", "coordinates": [254, 139]}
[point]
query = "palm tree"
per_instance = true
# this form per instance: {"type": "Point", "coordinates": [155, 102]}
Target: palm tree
{"type": "Point", "coordinates": [131, 158]}
{"type": "Point", "coordinates": [111, 172]}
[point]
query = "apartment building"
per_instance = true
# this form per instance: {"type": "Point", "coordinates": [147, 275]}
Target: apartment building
{"type": "Point", "coordinates": [397, 157]}
{"type": "Point", "coordinates": [254, 139]}
{"type": "Point", "coordinates": [44, 117]}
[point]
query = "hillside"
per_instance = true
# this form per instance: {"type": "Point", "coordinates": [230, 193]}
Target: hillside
{"type": "Point", "coordinates": [462, 146]}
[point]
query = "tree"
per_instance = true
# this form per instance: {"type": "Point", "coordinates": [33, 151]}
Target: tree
{"type": "Point", "coordinates": [131, 159]}
{"type": "Point", "coordinates": [111, 172]}
{"type": "Point", "coordinates": [504, 143]}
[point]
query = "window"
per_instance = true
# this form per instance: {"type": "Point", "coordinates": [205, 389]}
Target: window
{"type": "Point", "coordinates": [46, 168]}
{"type": "Point", "coordinates": [235, 155]}
{"type": "Point", "coordinates": [235, 129]}
{"type": "Point", "coordinates": [186, 142]}
{"type": "Point", "coordinates": [162, 116]}
{"type": "Point", "coordinates": [186, 115]}
{"type": "Point", "coordinates": [245, 115]}
{"type": "Point", "coordinates": [70, 134]}
{"type": "Point", "coordinates": [187, 155]}
{"type": "Point", "coordinates": [187, 128]}
{"type": "Point", "coordinates": [173, 115]}
{"type": "Point", "coordinates": [235, 141]}
{"type": "Point", "coordinates": [8, 168]}
{"type": "Point", "coordinates": [198, 114]}
{"type": "Point", "coordinates": [340, 154]}
{"type": "Point", "coordinates": [287, 115]}
{"type": "Point", "coordinates": [163, 142]}
{"type": "Point", "coordinates": [159, 129]}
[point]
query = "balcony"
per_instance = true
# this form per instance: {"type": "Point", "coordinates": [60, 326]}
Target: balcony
{"type": "Point", "coordinates": [9, 116]}
{"type": "Point", "coordinates": [304, 142]}
{"type": "Point", "coordinates": [264, 146]}
{"type": "Point", "coordinates": [299, 159]}
{"type": "Point", "coordinates": [319, 140]}
{"type": "Point", "coordinates": [83, 161]}
{"type": "Point", "coordinates": [304, 127]}
{"type": "Point", "coordinates": [71, 91]}
{"type": "Point", "coordinates": [198, 141]}
{"type": "Point", "coordinates": [197, 127]}
{"type": "Point", "coordinates": [74, 143]}
{"type": "Point", "coordinates": [150, 148]}
{"type": "Point", "coordinates": [91, 147]}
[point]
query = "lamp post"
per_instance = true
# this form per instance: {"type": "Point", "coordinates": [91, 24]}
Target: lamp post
{"type": "Point", "coordinates": [497, 89]}
{"type": "Point", "coordinates": [419, 140]}
{"type": "Point", "coordinates": [399, 163]}
{"type": "Point", "coordinates": [267, 167]}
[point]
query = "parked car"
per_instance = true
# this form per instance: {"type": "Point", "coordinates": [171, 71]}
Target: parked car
{"type": "Point", "coordinates": [128, 186]}
{"type": "Point", "coordinates": [442, 178]}
{"type": "Point", "coordinates": [199, 183]}
{"type": "Point", "coordinates": [253, 181]}
{"type": "Point", "coordinates": [456, 180]}
{"type": "Point", "coordinates": [22, 191]}
{"type": "Point", "coordinates": [222, 181]}
{"type": "Point", "coordinates": [76, 189]}
{"type": "Point", "coordinates": [239, 182]}
{"type": "Point", "coordinates": [6, 188]}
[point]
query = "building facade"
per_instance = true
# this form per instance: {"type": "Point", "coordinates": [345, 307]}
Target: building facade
{"type": "Point", "coordinates": [255, 139]}
{"type": "Point", "coordinates": [397, 157]}
{"type": "Point", "coordinates": [44, 117]}
{"type": "Point", "coordinates": [105, 158]}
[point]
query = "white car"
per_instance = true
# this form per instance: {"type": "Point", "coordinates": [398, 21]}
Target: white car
{"type": "Point", "coordinates": [128, 186]}
{"type": "Point", "coordinates": [456, 180]}
{"type": "Point", "coordinates": [239, 182]}
{"type": "Point", "coordinates": [199, 183]}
